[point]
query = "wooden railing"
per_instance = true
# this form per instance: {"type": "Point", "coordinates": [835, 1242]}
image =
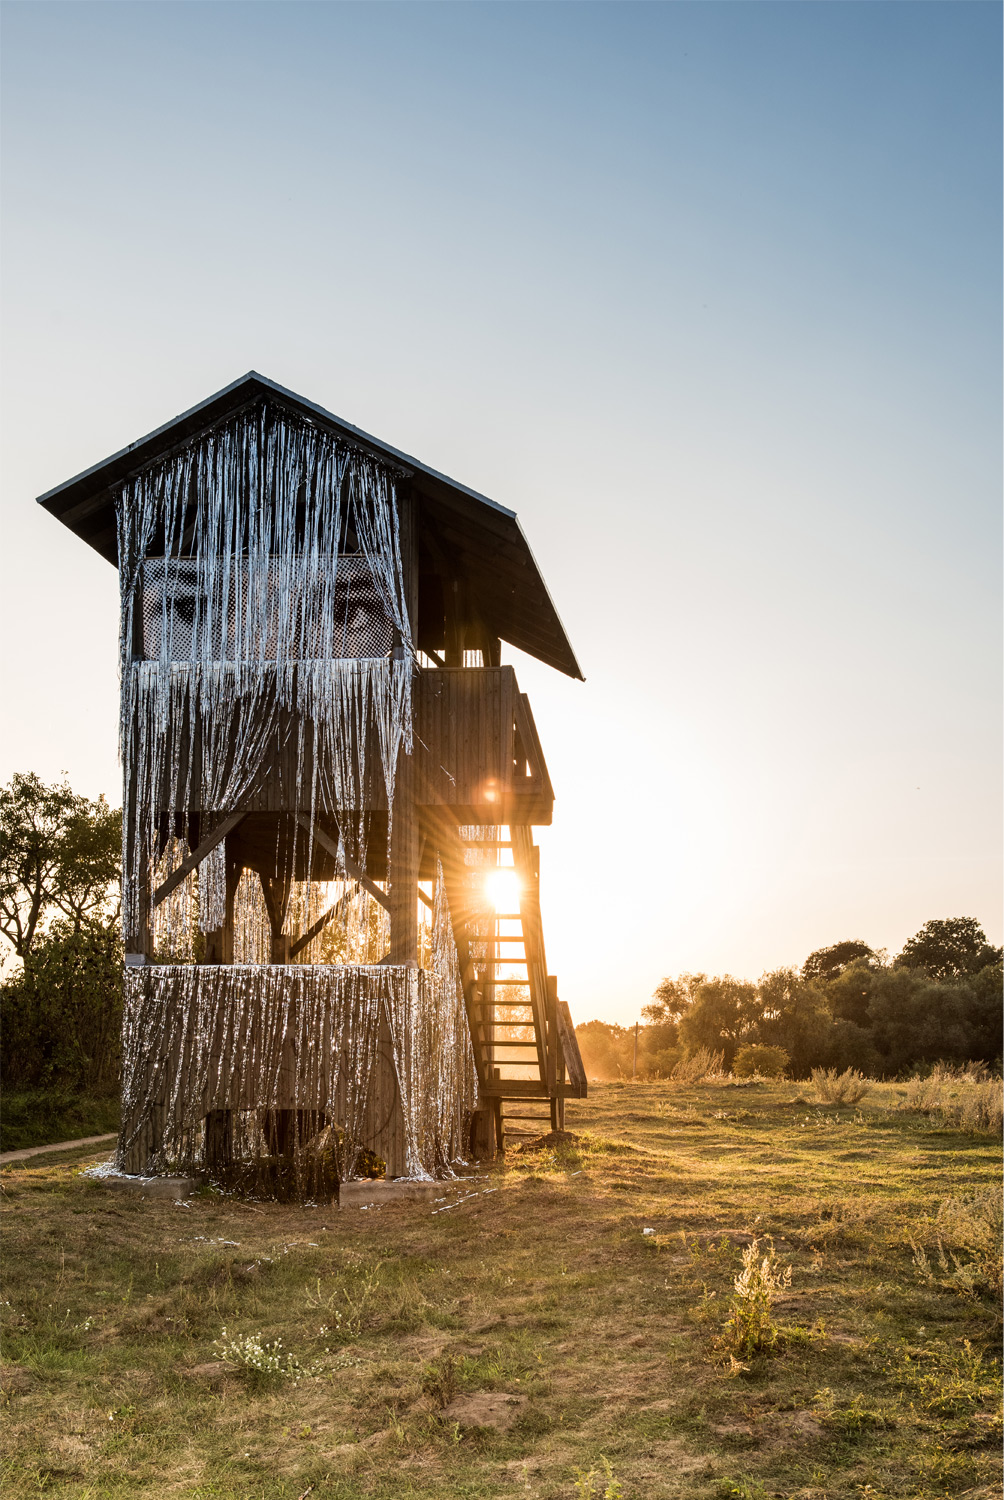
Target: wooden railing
{"type": "Point", "coordinates": [478, 747]}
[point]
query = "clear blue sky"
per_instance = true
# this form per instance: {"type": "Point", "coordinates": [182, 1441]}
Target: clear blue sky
{"type": "Point", "coordinates": [708, 293]}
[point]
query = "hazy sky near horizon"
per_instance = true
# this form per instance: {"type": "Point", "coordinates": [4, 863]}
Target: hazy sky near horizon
{"type": "Point", "coordinates": [707, 293]}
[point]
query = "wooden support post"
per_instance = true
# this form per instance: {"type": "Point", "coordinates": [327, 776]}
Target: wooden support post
{"type": "Point", "coordinates": [553, 1045]}
{"type": "Point", "coordinates": [403, 891]}
{"type": "Point", "coordinates": [219, 1129]}
{"type": "Point", "coordinates": [276, 894]}
{"type": "Point", "coordinates": [318, 927]}
{"type": "Point", "coordinates": [280, 948]}
{"type": "Point", "coordinates": [570, 1049]}
{"type": "Point", "coordinates": [220, 943]}
{"type": "Point", "coordinates": [138, 943]}
{"type": "Point", "coordinates": [404, 842]}
{"type": "Point", "coordinates": [483, 1144]}
{"type": "Point", "coordinates": [193, 860]}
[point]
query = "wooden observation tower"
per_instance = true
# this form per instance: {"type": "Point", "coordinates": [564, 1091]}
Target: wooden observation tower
{"type": "Point", "coordinates": [327, 773]}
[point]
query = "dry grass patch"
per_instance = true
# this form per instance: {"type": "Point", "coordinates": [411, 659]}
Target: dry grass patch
{"type": "Point", "coordinates": [963, 1098]}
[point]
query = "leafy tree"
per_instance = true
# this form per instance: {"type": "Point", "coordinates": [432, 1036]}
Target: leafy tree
{"type": "Point", "coordinates": [915, 1019]}
{"type": "Point", "coordinates": [985, 1012]}
{"type": "Point", "coordinates": [723, 1014]}
{"type": "Point", "coordinates": [670, 1001]}
{"type": "Point", "coordinates": [672, 998]}
{"type": "Point", "coordinates": [60, 855]}
{"type": "Point", "coordinates": [794, 1015]}
{"type": "Point", "coordinates": [848, 994]}
{"type": "Point", "coordinates": [827, 963]}
{"type": "Point", "coordinates": [62, 1014]}
{"type": "Point", "coordinates": [949, 948]}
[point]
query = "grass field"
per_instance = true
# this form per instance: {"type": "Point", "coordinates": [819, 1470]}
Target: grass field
{"type": "Point", "coordinates": [537, 1280]}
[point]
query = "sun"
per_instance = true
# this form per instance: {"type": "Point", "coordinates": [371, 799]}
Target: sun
{"type": "Point", "coordinates": [503, 888]}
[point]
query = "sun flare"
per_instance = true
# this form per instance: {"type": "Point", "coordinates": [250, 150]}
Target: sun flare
{"type": "Point", "coordinates": [503, 890]}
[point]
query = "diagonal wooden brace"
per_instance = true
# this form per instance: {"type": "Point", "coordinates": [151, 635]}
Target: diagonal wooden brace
{"type": "Point", "coordinates": [356, 871]}
{"type": "Point", "coordinates": [193, 860]}
{"type": "Point", "coordinates": [333, 911]}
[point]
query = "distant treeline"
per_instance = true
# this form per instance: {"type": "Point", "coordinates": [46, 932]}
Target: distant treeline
{"type": "Point", "coordinates": [847, 1007]}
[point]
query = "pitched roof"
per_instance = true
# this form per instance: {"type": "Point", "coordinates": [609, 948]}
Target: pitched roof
{"type": "Point", "coordinates": [485, 538]}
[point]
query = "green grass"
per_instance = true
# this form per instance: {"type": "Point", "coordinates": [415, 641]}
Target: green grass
{"type": "Point", "coordinates": [884, 1379]}
{"type": "Point", "coordinates": [36, 1119]}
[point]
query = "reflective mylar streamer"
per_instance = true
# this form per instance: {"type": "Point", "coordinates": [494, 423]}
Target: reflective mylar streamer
{"type": "Point", "coordinates": [301, 1040]}
{"type": "Point", "coordinates": [242, 529]}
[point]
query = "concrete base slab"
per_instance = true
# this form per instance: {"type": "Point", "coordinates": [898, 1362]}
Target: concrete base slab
{"type": "Point", "coordinates": [367, 1194]}
{"type": "Point", "coordinates": [174, 1188]}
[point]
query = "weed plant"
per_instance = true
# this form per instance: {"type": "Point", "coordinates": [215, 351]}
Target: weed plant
{"type": "Point", "coordinates": [964, 1251]}
{"type": "Point", "coordinates": [840, 1088]}
{"type": "Point", "coordinates": [963, 1098]}
{"type": "Point", "coordinates": [587, 1482]}
{"type": "Point", "coordinates": [750, 1328]}
{"type": "Point", "coordinates": [699, 1065]}
{"type": "Point", "coordinates": [266, 1361]}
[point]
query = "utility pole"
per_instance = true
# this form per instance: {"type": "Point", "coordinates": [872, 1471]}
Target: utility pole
{"type": "Point", "coordinates": [634, 1065]}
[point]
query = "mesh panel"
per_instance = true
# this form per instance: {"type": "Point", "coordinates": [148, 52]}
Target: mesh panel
{"type": "Point", "coordinates": [182, 624]}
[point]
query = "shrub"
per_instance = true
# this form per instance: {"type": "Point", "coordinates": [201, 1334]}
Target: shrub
{"type": "Point", "coordinates": [839, 1088]}
{"type": "Point", "coordinates": [700, 1064]}
{"type": "Point", "coordinates": [757, 1061]}
{"type": "Point", "coordinates": [750, 1328]}
{"type": "Point", "coordinates": [660, 1064]}
{"type": "Point", "coordinates": [974, 1223]}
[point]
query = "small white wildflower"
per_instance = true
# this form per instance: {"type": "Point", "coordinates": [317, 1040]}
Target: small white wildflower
{"type": "Point", "coordinates": [265, 1359]}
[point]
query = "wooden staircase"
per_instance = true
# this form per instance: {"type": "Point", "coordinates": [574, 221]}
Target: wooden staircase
{"type": "Point", "coordinates": [525, 1050]}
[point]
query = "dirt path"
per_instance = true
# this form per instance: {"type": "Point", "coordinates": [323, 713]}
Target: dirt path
{"type": "Point", "coordinates": [87, 1140]}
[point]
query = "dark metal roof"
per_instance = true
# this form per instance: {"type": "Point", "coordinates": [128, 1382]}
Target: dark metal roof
{"type": "Point", "coordinates": [485, 539]}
